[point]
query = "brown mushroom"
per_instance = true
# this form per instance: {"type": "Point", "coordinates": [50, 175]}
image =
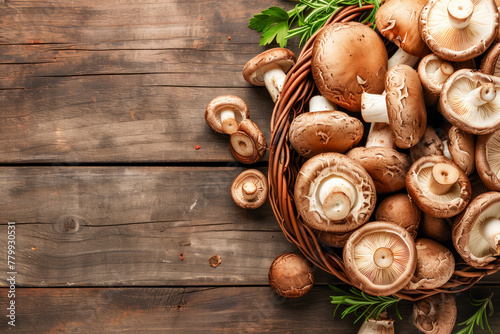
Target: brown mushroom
{"type": "Point", "coordinates": [334, 193]}
{"type": "Point", "coordinates": [324, 130]}
{"type": "Point", "coordinates": [339, 65]}
{"type": "Point", "coordinates": [400, 210]}
{"type": "Point", "coordinates": [435, 265]}
{"type": "Point", "coordinates": [291, 275]}
{"type": "Point", "coordinates": [435, 228]}
{"type": "Point", "coordinates": [380, 258]}
{"type": "Point", "coordinates": [248, 144]}
{"type": "Point", "coordinates": [469, 100]}
{"type": "Point", "coordinates": [433, 72]}
{"type": "Point", "coordinates": [489, 64]}
{"type": "Point", "coordinates": [333, 239]}
{"type": "Point", "coordinates": [402, 106]}
{"type": "Point", "coordinates": [429, 144]}
{"type": "Point", "coordinates": [225, 113]}
{"type": "Point", "coordinates": [476, 232]}
{"type": "Point", "coordinates": [435, 314]}
{"type": "Point", "coordinates": [377, 326]}
{"type": "Point", "coordinates": [249, 189]}
{"type": "Point", "coordinates": [269, 69]}
{"type": "Point", "coordinates": [458, 30]}
{"type": "Point", "coordinates": [438, 186]}
{"type": "Point", "coordinates": [488, 159]}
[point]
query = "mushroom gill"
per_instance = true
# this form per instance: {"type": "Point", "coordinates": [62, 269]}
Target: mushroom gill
{"type": "Point", "coordinates": [493, 153]}
{"type": "Point", "coordinates": [485, 233]}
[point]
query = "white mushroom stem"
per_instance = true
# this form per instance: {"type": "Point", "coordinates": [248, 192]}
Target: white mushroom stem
{"type": "Point", "coordinates": [320, 103]}
{"type": "Point", "coordinates": [228, 121]}
{"type": "Point", "coordinates": [482, 94]}
{"type": "Point", "coordinates": [402, 57]}
{"type": "Point", "coordinates": [242, 144]}
{"type": "Point", "coordinates": [383, 257]}
{"type": "Point", "coordinates": [374, 108]}
{"type": "Point", "coordinates": [274, 78]}
{"type": "Point", "coordinates": [380, 135]}
{"type": "Point", "coordinates": [460, 13]}
{"type": "Point", "coordinates": [336, 195]}
{"type": "Point", "coordinates": [443, 177]}
{"type": "Point", "coordinates": [490, 231]}
{"type": "Point", "coordinates": [249, 190]}
{"type": "Point", "coordinates": [443, 72]}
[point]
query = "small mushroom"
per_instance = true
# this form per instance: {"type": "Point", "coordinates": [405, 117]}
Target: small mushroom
{"type": "Point", "coordinates": [379, 326]}
{"type": "Point", "coordinates": [249, 189]}
{"type": "Point", "coordinates": [433, 72]}
{"type": "Point", "coordinates": [490, 61]}
{"type": "Point", "coordinates": [435, 314]}
{"type": "Point", "coordinates": [225, 113]}
{"type": "Point", "coordinates": [291, 275]}
{"type": "Point", "coordinates": [400, 210]}
{"type": "Point", "coordinates": [435, 265]}
{"type": "Point", "coordinates": [386, 165]}
{"type": "Point", "coordinates": [397, 20]}
{"type": "Point", "coordinates": [459, 146]}
{"type": "Point", "coordinates": [469, 100]}
{"type": "Point", "coordinates": [324, 130]}
{"type": "Point", "coordinates": [435, 228]}
{"type": "Point", "coordinates": [334, 193]}
{"type": "Point", "coordinates": [476, 232]}
{"type": "Point", "coordinates": [380, 258]}
{"type": "Point", "coordinates": [438, 186]}
{"type": "Point", "coordinates": [339, 63]}
{"type": "Point", "coordinates": [402, 106]}
{"type": "Point", "coordinates": [488, 159]}
{"type": "Point", "coordinates": [429, 144]}
{"type": "Point", "coordinates": [269, 69]}
{"type": "Point", "coordinates": [458, 30]}
{"type": "Point", "coordinates": [248, 144]}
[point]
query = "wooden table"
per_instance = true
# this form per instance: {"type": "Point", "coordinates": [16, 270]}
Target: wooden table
{"type": "Point", "coordinates": [116, 213]}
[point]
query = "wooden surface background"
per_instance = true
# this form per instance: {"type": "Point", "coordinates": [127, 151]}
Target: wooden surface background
{"type": "Point", "coordinates": [102, 105]}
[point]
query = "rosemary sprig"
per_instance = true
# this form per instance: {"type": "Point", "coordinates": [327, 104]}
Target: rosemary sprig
{"type": "Point", "coordinates": [303, 20]}
{"type": "Point", "coordinates": [357, 301]}
{"type": "Point", "coordinates": [480, 317]}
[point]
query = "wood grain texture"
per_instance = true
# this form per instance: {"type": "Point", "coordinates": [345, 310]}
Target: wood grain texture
{"type": "Point", "coordinates": [196, 310]}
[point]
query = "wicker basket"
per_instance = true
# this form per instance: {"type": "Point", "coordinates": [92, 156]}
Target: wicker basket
{"type": "Point", "coordinates": [284, 164]}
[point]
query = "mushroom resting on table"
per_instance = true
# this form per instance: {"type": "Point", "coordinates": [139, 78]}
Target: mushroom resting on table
{"type": "Point", "coordinates": [248, 144]}
{"type": "Point", "coordinates": [249, 189]}
{"type": "Point", "coordinates": [224, 113]}
{"type": "Point", "coordinates": [291, 275]}
{"type": "Point", "coordinates": [435, 314]}
{"type": "Point", "coordinates": [379, 326]}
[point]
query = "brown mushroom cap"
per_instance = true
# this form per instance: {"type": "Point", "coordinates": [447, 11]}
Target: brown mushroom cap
{"type": "Point", "coordinates": [470, 102]}
{"type": "Point", "coordinates": [429, 144]}
{"type": "Point", "coordinates": [222, 104]}
{"type": "Point", "coordinates": [448, 204]}
{"type": "Point", "coordinates": [400, 210]}
{"type": "Point", "coordinates": [380, 258]}
{"type": "Point", "coordinates": [249, 189]}
{"type": "Point", "coordinates": [468, 230]}
{"type": "Point", "coordinates": [312, 133]}
{"type": "Point", "coordinates": [328, 174]}
{"type": "Point", "coordinates": [252, 72]}
{"type": "Point", "coordinates": [248, 144]}
{"type": "Point", "coordinates": [435, 265]}
{"type": "Point", "coordinates": [379, 326]}
{"type": "Point", "coordinates": [333, 239]}
{"type": "Point", "coordinates": [433, 72]}
{"type": "Point", "coordinates": [461, 147]}
{"type": "Point", "coordinates": [490, 61]}
{"type": "Point", "coordinates": [435, 314]}
{"type": "Point", "coordinates": [488, 159]}
{"type": "Point", "coordinates": [339, 65]}
{"type": "Point", "coordinates": [291, 275]}
{"type": "Point", "coordinates": [454, 43]}
{"type": "Point", "coordinates": [435, 228]}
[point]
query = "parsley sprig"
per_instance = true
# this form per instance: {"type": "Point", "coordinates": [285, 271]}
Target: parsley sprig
{"type": "Point", "coordinates": [357, 302]}
{"type": "Point", "coordinates": [303, 20]}
{"type": "Point", "coordinates": [479, 318]}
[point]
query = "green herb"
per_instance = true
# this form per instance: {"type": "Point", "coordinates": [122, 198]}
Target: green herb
{"type": "Point", "coordinates": [303, 20]}
{"type": "Point", "coordinates": [357, 301]}
{"type": "Point", "coordinates": [480, 317]}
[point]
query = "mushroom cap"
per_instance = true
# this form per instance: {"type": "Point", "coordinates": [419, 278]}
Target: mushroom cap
{"type": "Point", "coordinates": [397, 20]}
{"type": "Point", "coordinates": [465, 235]}
{"type": "Point", "coordinates": [291, 275]}
{"type": "Point", "coordinates": [378, 326]}
{"type": "Point", "coordinates": [248, 144]}
{"type": "Point", "coordinates": [461, 146]}
{"type": "Point", "coordinates": [429, 144]}
{"type": "Point", "coordinates": [359, 254]}
{"type": "Point", "coordinates": [453, 44]}
{"type": "Point", "coordinates": [400, 210]}
{"type": "Point", "coordinates": [435, 228]}
{"type": "Point", "coordinates": [220, 103]}
{"type": "Point", "coordinates": [428, 72]}
{"type": "Point", "coordinates": [255, 177]}
{"type": "Point", "coordinates": [315, 173]}
{"type": "Point", "coordinates": [386, 166]}
{"type": "Point", "coordinates": [252, 71]}
{"type": "Point", "coordinates": [312, 133]}
{"type": "Point", "coordinates": [339, 63]}
{"type": "Point", "coordinates": [488, 159]}
{"type": "Point", "coordinates": [435, 314]}
{"type": "Point", "coordinates": [333, 239]}
{"type": "Point", "coordinates": [405, 105]}
{"type": "Point", "coordinates": [435, 265]}
{"type": "Point", "coordinates": [443, 206]}
{"type": "Point", "coordinates": [456, 106]}
{"type": "Point", "coordinates": [490, 60]}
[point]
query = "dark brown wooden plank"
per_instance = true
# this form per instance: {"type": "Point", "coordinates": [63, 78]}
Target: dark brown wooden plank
{"type": "Point", "coordinates": [197, 310]}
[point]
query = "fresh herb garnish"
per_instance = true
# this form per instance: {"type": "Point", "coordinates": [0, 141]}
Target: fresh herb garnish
{"type": "Point", "coordinates": [480, 317]}
{"type": "Point", "coordinates": [303, 20]}
{"type": "Point", "coordinates": [357, 301]}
